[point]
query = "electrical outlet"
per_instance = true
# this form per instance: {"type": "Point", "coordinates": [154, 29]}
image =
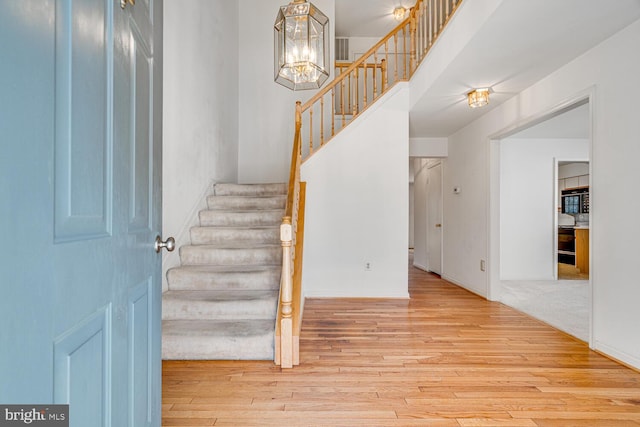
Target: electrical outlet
{"type": "Point", "coordinates": [482, 265]}
{"type": "Point", "coordinates": [367, 266]}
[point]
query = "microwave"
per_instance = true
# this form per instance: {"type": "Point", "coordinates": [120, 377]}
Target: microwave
{"type": "Point", "coordinates": [575, 200]}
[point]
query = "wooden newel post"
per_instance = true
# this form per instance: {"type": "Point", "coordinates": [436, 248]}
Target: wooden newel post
{"type": "Point", "coordinates": [286, 295]}
{"type": "Point", "coordinates": [298, 114]}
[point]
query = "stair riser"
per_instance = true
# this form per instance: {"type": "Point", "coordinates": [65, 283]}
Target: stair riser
{"type": "Point", "coordinates": [219, 310]}
{"type": "Point", "coordinates": [218, 339]}
{"type": "Point", "coordinates": [180, 279]}
{"type": "Point", "coordinates": [216, 235]}
{"type": "Point", "coordinates": [245, 203]}
{"type": "Point", "coordinates": [217, 348]}
{"type": "Point", "coordinates": [201, 255]}
{"type": "Point", "coordinates": [210, 218]}
{"type": "Point", "coordinates": [249, 190]}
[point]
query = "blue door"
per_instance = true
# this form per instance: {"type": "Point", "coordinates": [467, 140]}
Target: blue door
{"type": "Point", "coordinates": [80, 204]}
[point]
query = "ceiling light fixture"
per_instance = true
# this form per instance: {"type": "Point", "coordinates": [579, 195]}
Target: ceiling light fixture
{"type": "Point", "coordinates": [301, 36]}
{"type": "Point", "coordinates": [478, 97]}
{"type": "Point", "coordinates": [399, 12]}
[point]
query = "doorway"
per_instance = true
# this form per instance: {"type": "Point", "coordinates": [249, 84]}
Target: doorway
{"type": "Point", "coordinates": [428, 214]}
{"type": "Point", "coordinates": [524, 201]}
{"type": "Point", "coordinates": [573, 206]}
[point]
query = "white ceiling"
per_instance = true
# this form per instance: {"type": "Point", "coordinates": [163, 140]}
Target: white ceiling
{"type": "Point", "coordinates": [367, 18]}
{"type": "Point", "coordinates": [522, 42]}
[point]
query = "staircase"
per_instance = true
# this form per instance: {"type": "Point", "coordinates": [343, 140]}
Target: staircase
{"type": "Point", "coordinates": [222, 300]}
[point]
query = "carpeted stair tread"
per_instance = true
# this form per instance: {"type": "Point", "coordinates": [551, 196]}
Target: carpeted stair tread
{"type": "Point", "coordinates": [252, 218]}
{"type": "Point", "coordinates": [225, 189]}
{"type": "Point", "coordinates": [240, 245]}
{"type": "Point", "coordinates": [217, 339]}
{"type": "Point", "coordinates": [220, 295]}
{"type": "Point", "coordinates": [203, 277]}
{"type": "Point", "coordinates": [246, 202]}
{"type": "Point", "coordinates": [229, 235]}
{"type": "Point", "coordinates": [225, 304]}
{"type": "Point", "coordinates": [214, 255]}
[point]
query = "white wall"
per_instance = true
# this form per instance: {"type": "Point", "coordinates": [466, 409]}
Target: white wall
{"type": "Point", "coordinates": [266, 109]}
{"type": "Point", "coordinates": [528, 207]}
{"type": "Point", "coordinates": [608, 74]}
{"type": "Point", "coordinates": [359, 45]}
{"type": "Point", "coordinates": [428, 147]}
{"type": "Point", "coordinates": [200, 119]}
{"type": "Point", "coordinates": [357, 206]}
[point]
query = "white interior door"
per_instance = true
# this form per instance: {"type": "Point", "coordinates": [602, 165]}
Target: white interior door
{"type": "Point", "coordinates": [420, 214]}
{"type": "Point", "coordinates": [434, 219]}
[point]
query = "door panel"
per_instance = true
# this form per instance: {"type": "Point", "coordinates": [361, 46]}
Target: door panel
{"type": "Point", "coordinates": [140, 354]}
{"type": "Point", "coordinates": [81, 369]}
{"type": "Point", "coordinates": [141, 139]}
{"type": "Point", "coordinates": [82, 143]}
{"type": "Point", "coordinates": [82, 185]}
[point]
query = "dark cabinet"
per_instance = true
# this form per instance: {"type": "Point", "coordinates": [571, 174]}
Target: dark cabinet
{"type": "Point", "coordinates": [566, 245]}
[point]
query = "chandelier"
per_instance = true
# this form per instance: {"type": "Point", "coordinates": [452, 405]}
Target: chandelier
{"type": "Point", "coordinates": [301, 36]}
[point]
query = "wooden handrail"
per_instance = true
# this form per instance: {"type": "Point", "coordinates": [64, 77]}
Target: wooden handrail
{"type": "Point", "coordinates": [352, 67]}
{"type": "Point", "coordinates": [295, 153]}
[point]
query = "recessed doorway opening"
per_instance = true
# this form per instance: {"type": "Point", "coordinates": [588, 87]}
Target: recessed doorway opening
{"type": "Point", "coordinates": [531, 171]}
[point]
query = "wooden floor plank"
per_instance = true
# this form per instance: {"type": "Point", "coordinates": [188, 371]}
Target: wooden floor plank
{"type": "Point", "coordinates": [445, 357]}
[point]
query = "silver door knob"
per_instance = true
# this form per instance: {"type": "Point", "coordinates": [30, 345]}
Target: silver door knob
{"type": "Point", "coordinates": [169, 244]}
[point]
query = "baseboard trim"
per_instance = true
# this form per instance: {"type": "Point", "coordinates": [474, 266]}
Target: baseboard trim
{"type": "Point", "coordinates": [463, 286]}
{"type": "Point", "coordinates": [421, 267]}
{"type": "Point", "coordinates": [617, 356]}
{"type": "Point", "coordinates": [357, 296]}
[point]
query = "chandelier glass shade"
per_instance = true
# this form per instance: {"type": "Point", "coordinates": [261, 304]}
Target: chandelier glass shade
{"type": "Point", "coordinates": [301, 37]}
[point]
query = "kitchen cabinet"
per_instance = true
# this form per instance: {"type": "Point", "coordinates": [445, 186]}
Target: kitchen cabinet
{"type": "Point", "coordinates": [572, 182]}
{"type": "Point", "coordinates": [583, 181]}
{"type": "Point", "coordinates": [582, 249]}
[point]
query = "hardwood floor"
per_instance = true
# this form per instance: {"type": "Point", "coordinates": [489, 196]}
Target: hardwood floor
{"type": "Point", "coordinates": [445, 357]}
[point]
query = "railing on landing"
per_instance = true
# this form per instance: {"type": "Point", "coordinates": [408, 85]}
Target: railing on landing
{"type": "Point", "coordinates": [393, 59]}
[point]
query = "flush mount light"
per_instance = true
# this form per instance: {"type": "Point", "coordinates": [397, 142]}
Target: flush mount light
{"type": "Point", "coordinates": [399, 12]}
{"type": "Point", "coordinates": [478, 97]}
